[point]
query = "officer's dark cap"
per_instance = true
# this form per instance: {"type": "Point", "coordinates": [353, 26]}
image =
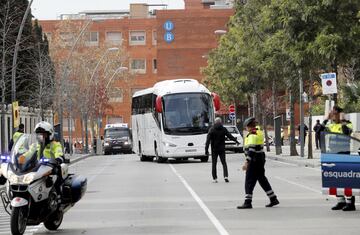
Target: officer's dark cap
{"type": "Point", "coordinates": [248, 121]}
{"type": "Point", "coordinates": [21, 126]}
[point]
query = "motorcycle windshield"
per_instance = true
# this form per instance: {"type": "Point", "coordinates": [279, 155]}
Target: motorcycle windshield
{"type": "Point", "coordinates": [24, 155]}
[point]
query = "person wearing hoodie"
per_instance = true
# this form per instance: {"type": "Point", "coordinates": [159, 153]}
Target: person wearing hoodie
{"type": "Point", "coordinates": [216, 137]}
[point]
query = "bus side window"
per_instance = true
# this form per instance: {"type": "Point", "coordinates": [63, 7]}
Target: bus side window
{"type": "Point", "coordinates": [156, 115]}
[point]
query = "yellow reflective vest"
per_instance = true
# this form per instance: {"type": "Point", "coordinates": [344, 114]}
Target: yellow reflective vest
{"type": "Point", "coordinates": [254, 142]}
{"type": "Point", "coordinates": [337, 127]}
{"type": "Point", "coordinates": [53, 150]}
{"type": "Point", "coordinates": [16, 136]}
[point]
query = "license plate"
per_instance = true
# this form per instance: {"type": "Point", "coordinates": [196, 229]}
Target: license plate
{"type": "Point", "coordinates": [190, 150]}
{"type": "Point", "coordinates": [117, 147]}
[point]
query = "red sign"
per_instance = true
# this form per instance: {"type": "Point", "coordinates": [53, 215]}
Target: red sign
{"type": "Point", "coordinates": [232, 108]}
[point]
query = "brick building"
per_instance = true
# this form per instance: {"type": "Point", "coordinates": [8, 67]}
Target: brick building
{"type": "Point", "coordinates": [153, 54]}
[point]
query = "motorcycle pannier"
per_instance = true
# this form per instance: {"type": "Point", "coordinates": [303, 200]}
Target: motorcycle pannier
{"type": "Point", "coordinates": [74, 188]}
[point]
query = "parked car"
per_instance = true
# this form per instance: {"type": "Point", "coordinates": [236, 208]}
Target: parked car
{"type": "Point", "coordinates": [231, 145]}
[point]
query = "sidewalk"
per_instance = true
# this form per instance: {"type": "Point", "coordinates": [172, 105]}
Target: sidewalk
{"type": "Point", "coordinates": [77, 157]}
{"type": "Point", "coordinates": [297, 160]}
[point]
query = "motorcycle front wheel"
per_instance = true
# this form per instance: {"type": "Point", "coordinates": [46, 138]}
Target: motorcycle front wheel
{"type": "Point", "coordinates": [54, 221]}
{"type": "Point", "coordinates": [18, 220]}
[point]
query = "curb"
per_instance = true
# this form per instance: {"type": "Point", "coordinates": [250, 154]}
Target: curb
{"type": "Point", "coordinates": [72, 161]}
{"type": "Point", "coordinates": [295, 162]}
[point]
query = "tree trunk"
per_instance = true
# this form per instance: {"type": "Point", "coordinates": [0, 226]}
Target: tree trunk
{"type": "Point", "coordinates": [293, 151]}
{"type": "Point", "coordinates": [249, 105]}
{"type": "Point", "coordinates": [265, 133]}
{"type": "Point", "coordinates": [311, 91]}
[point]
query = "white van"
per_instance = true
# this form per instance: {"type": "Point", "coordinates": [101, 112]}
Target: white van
{"type": "Point", "coordinates": [231, 145]}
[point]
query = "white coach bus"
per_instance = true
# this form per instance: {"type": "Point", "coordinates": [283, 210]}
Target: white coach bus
{"type": "Point", "coordinates": [171, 120]}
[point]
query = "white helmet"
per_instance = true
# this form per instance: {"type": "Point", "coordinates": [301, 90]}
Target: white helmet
{"type": "Point", "coordinates": [45, 126]}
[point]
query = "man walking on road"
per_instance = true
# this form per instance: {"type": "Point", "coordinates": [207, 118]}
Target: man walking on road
{"type": "Point", "coordinates": [255, 165]}
{"type": "Point", "coordinates": [216, 137]}
{"type": "Point", "coordinates": [317, 128]}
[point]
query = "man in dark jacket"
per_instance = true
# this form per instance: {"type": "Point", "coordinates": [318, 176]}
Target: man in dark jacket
{"type": "Point", "coordinates": [317, 128]}
{"type": "Point", "coordinates": [216, 137]}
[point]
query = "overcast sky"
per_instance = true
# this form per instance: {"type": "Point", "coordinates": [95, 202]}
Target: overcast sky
{"type": "Point", "coordinates": [52, 9]}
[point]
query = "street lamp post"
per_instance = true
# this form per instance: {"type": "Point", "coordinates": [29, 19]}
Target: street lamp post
{"type": "Point", "coordinates": [98, 141]}
{"type": "Point", "coordinates": [302, 127]}
{"type": "Point", "coordinates": [64, 77]}
{"type": "Point", "coordinates": [14, 62]}
{"type": "Point", "coordinates": [91, 79]}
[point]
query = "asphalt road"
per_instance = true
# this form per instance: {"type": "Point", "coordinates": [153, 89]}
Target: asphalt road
{"type": "Point", "coordinates": [126, 196]}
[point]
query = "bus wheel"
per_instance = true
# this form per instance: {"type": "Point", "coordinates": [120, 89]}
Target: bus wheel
{"type": "Point", "coordinates": [143, 158]}
{"type": "Point", "coordinates": [158, 158]}
{"type": "Point", "coordinates": [205, 159]}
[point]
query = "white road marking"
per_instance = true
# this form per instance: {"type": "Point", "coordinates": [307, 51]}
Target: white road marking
{"type": "Point", "coordinates": [292, 164]}
{"type": "Point", "coordinates": [299, 185]}
{"type": "Point", "coordinates": [207, 211]}
{"type": "Point", "coordinates": [277, 161]}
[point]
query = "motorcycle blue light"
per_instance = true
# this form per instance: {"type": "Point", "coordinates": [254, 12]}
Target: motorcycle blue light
{"type": "Point", "coordinates": [5, 158]}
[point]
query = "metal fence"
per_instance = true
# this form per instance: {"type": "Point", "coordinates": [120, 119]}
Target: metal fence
{"type": "Point", "coordinates": [28, 116]}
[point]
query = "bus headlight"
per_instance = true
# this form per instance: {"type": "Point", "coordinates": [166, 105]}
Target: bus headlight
{"type": "Point", "coordinates": [167, 144]}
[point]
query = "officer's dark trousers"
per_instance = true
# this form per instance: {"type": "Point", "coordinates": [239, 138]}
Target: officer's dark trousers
{"type": "Point", "coordinates": [317, 141]}
{"type": "Point", "coordinates": [214, 156]}
{"type": "Point", "coordinates": [256, 172]}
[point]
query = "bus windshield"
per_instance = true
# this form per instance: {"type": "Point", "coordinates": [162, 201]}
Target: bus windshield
{"type": "Point", "coordinates": [187, 113]}
{"type": "Point", "coordinates": [116, 133]}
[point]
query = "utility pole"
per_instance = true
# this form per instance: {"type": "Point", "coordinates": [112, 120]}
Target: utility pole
{"type": "Point", "coordinates": [14, 62]}
{"type": "Point", "coordinates": [302, 129]}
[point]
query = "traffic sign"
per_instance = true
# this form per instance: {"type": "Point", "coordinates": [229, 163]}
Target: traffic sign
{"type": "Point", "coordinates": [169, 37]}
{"type": "Point", "coordinates": [232, 116]}
{"type": "Point", "coordinates": [232, 108]}
{"type": "Point", "coordinates": [328, 82]}
{"type": "Point", "coordinates": [168, 25]}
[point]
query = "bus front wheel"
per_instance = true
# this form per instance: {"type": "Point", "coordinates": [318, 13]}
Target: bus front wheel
{"type": "Point", "coordinates": [205, 159]}
{"type": "Point", "coordinates": [158, 158]}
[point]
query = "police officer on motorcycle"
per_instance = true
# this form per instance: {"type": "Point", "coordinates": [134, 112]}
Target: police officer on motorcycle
{"type": "Point", "coordinates": [50, 148]}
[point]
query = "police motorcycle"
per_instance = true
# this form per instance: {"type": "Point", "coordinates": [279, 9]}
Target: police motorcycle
{"type": "Point", "coordinates": [32, 195]}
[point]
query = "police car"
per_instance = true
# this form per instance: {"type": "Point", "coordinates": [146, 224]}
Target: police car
{"type": "Point", "coordinates": [231, 145]}
{"type": "Point", "coordinates": [117, 138]}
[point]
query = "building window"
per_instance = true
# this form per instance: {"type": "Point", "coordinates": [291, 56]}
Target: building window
{"type": "Point", "coordinates": [154, 65]}
{"type": "Point", "coordinates": [92, 39]}
{"type": "Point", "coordinates": [138, 65]}
{"type": "Point", "coordinates": [67, 38]}
{"type": "Point", "coordinates": [48, 36]}
{"type": "Point", "coordinates": [154, 37]}
{"type": "Point", "coordinates": [116, 95]}
{"type": "Point", "coordinates": [133, 90]}
{"type": "Point", "coordinates": [114, 119]}
{"type": "Point", "coordinates": [137, 38]}
{"type": "Point", "coordinates": [114, 38]}
{"type": "Point", "coordinates": [66, 124]}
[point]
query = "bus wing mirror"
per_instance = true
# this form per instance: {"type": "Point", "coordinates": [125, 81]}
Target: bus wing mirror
{"type": "Point", "coordinates": [216, 100]}
{"type": "Point", "coordinates": [158, 104]}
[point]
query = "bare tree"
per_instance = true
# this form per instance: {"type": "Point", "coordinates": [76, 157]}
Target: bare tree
{"type": "Point", "coordinates": [8, 32]}
{"type": "Point", "coordinates": [43, 88]}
